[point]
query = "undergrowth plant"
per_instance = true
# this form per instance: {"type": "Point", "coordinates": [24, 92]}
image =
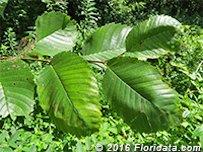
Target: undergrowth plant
{"type": "Point", "coordinates": [89, 15]}
{"type": "Point", "coordinates": [67, 88]}
{"type": "Point", "coordinates": [19, 15]}
{"type": "Point", "coordinates": [57, 5]}
{"type": "Point", "coordinates": [123, 11]}
{"type": "Point", "coordinates": [9, 45]}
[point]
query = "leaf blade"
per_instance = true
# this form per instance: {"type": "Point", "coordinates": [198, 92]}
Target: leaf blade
{"type": "Point", "coordinates": [16, 89]}
{"type": "Point", "coordinates": [71, 99]}
{"type": "Point", "coordinates": [59, 37]}
{"type": "Point", "coordinates": [107, 42]}
{"type": "Point", "coordinates": [137, 93]}
{"type": "Point", "coordinates": [46, 23]}
{"type": "Point", "coordinates": [151, 38]}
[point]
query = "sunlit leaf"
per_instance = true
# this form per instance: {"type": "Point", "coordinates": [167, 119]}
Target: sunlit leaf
{"type": "Point", "coordinates": [107, 42]}
{"type": "Point", "coordinates": [137, 93]}
{"type": "Point", "coordinates": [152, 38]}
{"type": "Point", "coordinates": [16, 89]}
{"type": "Point", "coordinates": [68, 92]}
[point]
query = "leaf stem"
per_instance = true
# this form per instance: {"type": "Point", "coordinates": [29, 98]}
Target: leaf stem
{"type": "Point", "coordinates": [41, 60]}
{"type": "Point", "coordinates": [97, 61]}
{"type": "Point", "coordinates": [36, 59]}
{"type": "Point", "coordinates": [22, 58]}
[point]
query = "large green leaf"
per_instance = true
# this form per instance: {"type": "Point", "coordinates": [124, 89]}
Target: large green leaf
{"type": "Point", "coordinates": [55, 34]}
{"type": "Point", "coordinates": [107, 42]}
{"type": "Point", "coordinates": [68, 92]}
{"type": "Point", "coordinates": [3, 4]}
{"type": "Point", "coordinates": [151, 38]}
{"type": "Point", "coordinates": [16, 89]}
{"type": "Point", "coordinates": [137, 93]}
{"type": "Point", "coordinates": [49, 23]}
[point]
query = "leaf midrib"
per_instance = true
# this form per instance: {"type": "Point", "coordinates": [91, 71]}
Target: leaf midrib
{"type": "Point", "coordinates": [133, 91]}
{"type": "Point", "coordinates": [112, 51]}
{"type": "Point", "coordinates": [148, 37]}
{"type": "Point", "coordinates": [66, 94]}
{"type": "Point", "coordinates": [106, 50]}
{"type": "Point", "coordinates": [154, 105]}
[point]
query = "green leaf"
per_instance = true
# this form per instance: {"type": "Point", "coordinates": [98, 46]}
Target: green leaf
{"type": "Point", "coordinates": [16, 89]}
{"type": "Point", "coordinates": [6, 149]}
{"type": "Point", "coordinates": [151, 38]}
{"type": "Point", "coordinates": [68, 92]}
{"type": "Point", "coordinates": [198, 132]}
{"type": "Point", "coordinates": [137, 93]}
{"type": "Point", "coordinates": [55, 34]}
{"type": "Point", "coordinates": [107, 42]}
{"type": "Point", "coordinates": [46, 1]}
{"type": "Point", "coordinates": [3, 4]}
{"type": "Point", "coordinates": [49, 1]}
{"type": "Point", "coordinates": [79, 147]}
{"type": "Point", "coordinates": [49, 23]}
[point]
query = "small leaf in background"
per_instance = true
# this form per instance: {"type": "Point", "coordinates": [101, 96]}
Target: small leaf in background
{"type": "Point", "coordinates": [55, 33]}
{"type": "Point", "coordinates": [16, 89]}
{"type": "Point", "coordinates": [46, 1]}
{"type": "Point", "coordinates": [79, 147]}
{"type": "Point", "coordinates": [107, 42]}
{"type": "Point", "coordinates": [151, 38]}
{"type": "Point", "coordinates": [186, 113]}
{"type": "Point", "coordinates": [6, 149]}
{"type": "Point", "coordinates": [139, 96]}
{"type": "Point", "coordinates": [68, 92]}
{"type": "Point", "coordinates": [3, 4]}
{"type": "Point", "coordinates": [198, 132]}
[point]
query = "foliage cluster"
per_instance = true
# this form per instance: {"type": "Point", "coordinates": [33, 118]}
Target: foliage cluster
{"type": "Point", "coordinates": [181, 69]}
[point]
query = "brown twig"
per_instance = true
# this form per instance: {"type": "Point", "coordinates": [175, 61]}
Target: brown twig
{"type": "Point", "coordinates": [42, 60]}
{"type": "Point", "coordinates": [22, 58]}
{"type": "Point", "coordinates": [35, 59]}
{"type": "Point", "coordinates": [3, 58]}
{"type": "Point", "coordinates": [97, 61]}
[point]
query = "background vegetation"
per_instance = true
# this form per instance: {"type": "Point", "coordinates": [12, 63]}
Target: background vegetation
{"type": "Point", "coordinates": [182, 70]}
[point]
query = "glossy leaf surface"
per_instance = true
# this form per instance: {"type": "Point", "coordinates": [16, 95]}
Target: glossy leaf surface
{"type": "Point", "coordinates": [68, 92]}
{"type": "Point", "coordinates": [107, 42]}
{"type": "Point", "coordinates": [152, 38]}
{"type": "Point", "coordinates": [137, 93]}
{"type": "Point", "coordinates": [16, 89]}
{"type": "Point", "coordinates": [55, 34]}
